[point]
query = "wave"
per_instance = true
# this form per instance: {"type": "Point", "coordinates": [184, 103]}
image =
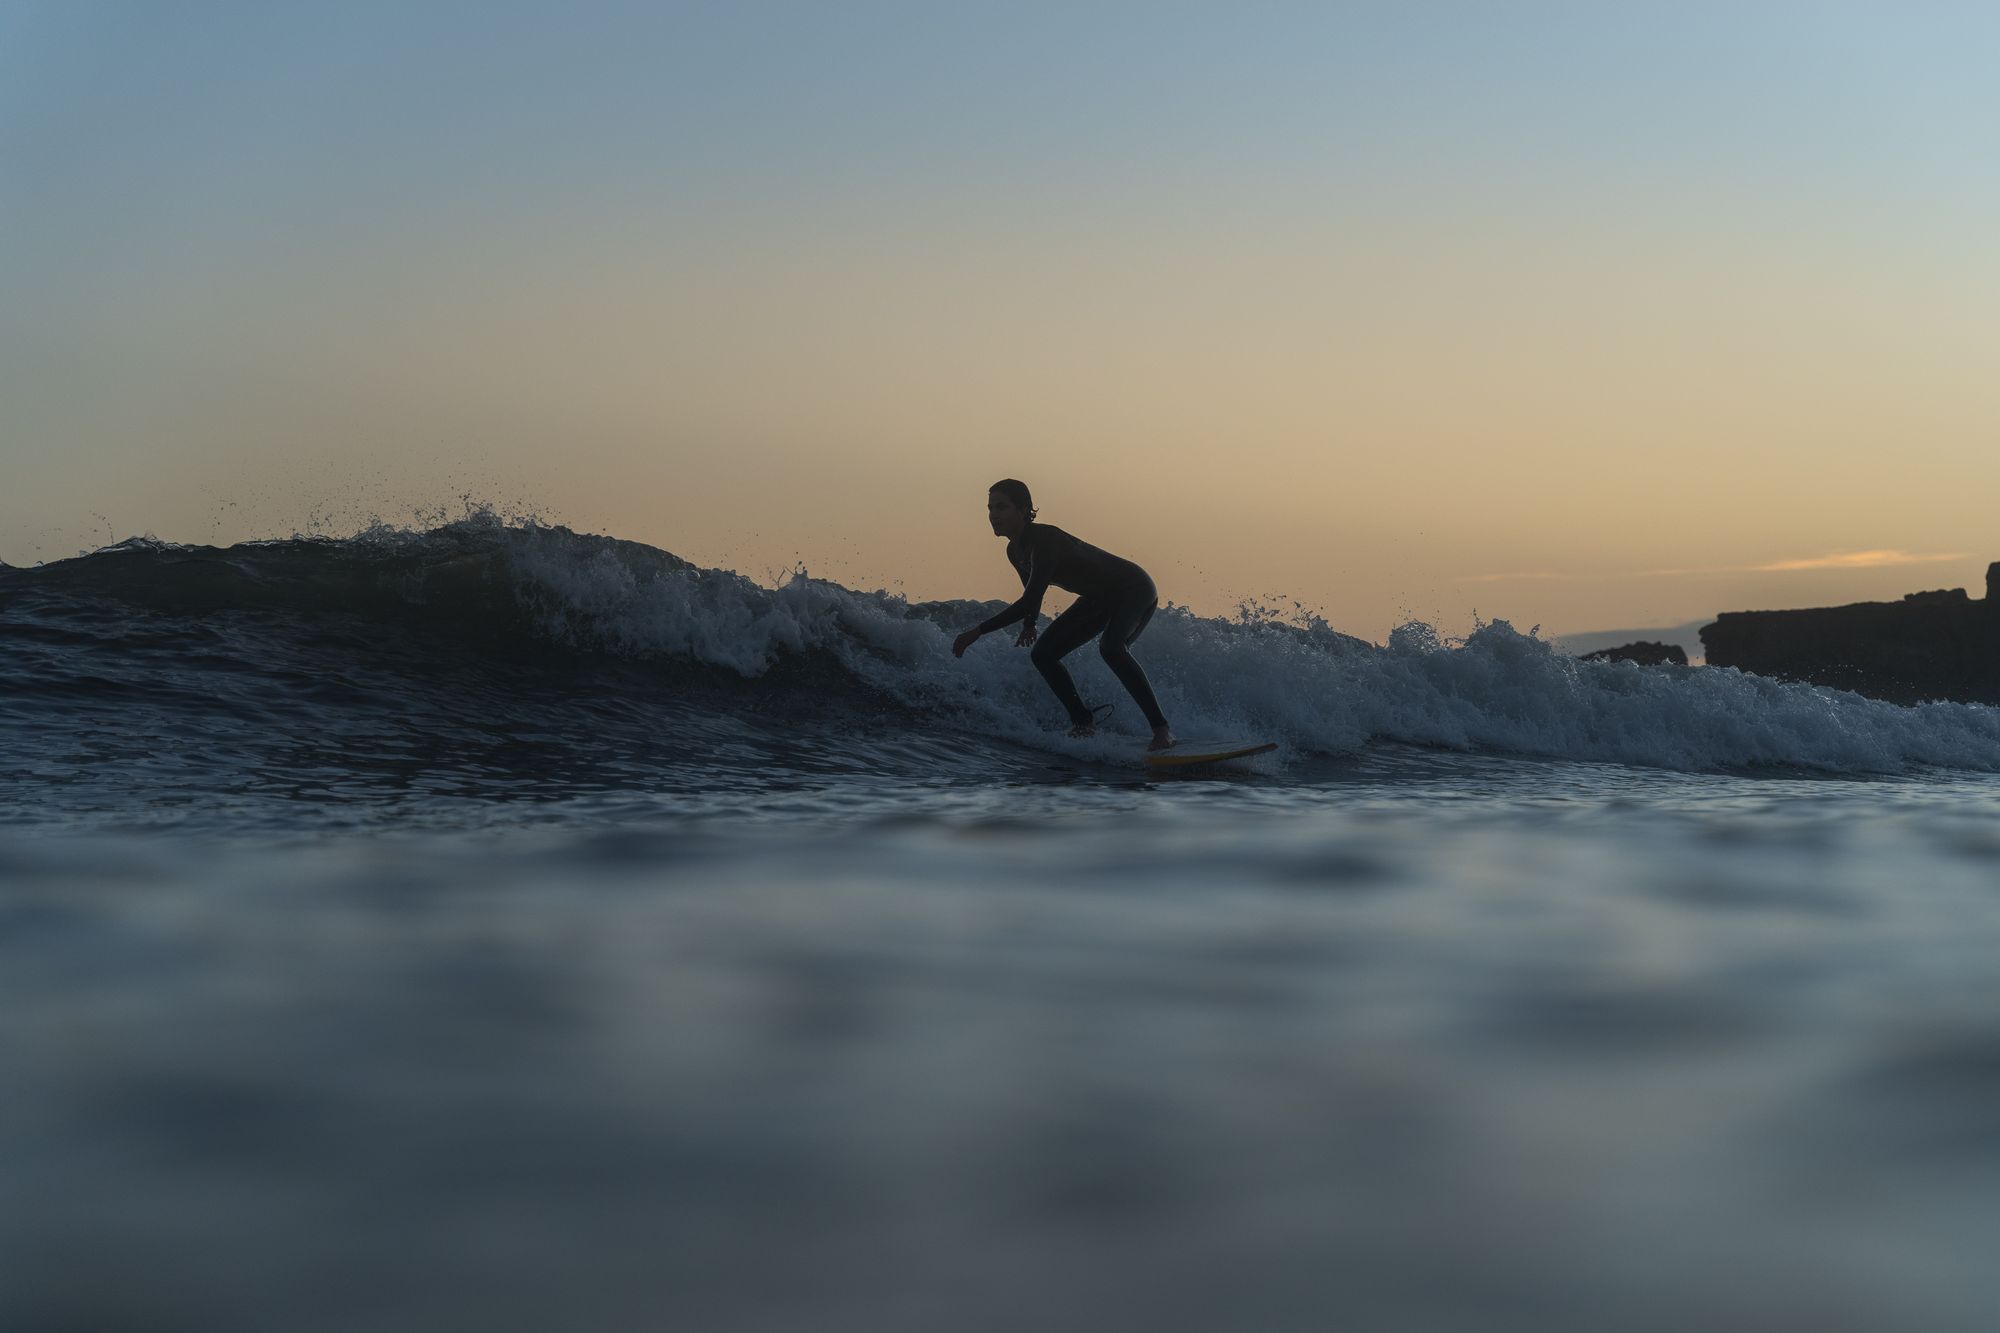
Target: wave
{"type": "Point", "coordinates": [505, 588]}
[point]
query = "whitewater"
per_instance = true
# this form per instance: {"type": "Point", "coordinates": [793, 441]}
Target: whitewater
{"type": "Point", "coordinates": [491, 925]}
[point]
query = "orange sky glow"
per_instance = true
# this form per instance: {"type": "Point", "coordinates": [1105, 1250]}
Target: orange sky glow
{"type": "Point", "coordinates": [1389, 318]}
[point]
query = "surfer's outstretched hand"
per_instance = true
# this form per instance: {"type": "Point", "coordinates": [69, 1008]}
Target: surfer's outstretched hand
{"type": "Point", "coordinates": [964, 641]}
{"type": "Point", "coordinates": [1027, 636]}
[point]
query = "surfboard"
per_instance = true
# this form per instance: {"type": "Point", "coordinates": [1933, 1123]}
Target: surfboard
{"type": "Point", "coordinates": [1205, 752]}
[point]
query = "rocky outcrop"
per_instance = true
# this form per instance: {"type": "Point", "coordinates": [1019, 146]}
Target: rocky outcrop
{"type": "Point", "coordinates": [1930, 645]}
{"type": "Point", "coordinates": [1644, 652]}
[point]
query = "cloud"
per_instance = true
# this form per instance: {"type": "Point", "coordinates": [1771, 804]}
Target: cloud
{"type": "Point", "coordinates": [1836, 560]}
{"type": "Point", "coordinates": [1854, 560]}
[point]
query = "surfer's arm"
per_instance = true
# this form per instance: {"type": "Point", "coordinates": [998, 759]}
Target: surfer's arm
{"type": "Point", "coordinates": [1018, 611]}
{"type": "Point", "coordinates": [1028, 607]}
{"type": "Point", "coordinates": [1031, 602]}
{"type": "Point", "coordinates": [987, 626]}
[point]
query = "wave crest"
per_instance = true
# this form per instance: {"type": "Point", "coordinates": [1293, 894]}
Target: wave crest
{"type": "Point", "coordinates": [1298, 682]}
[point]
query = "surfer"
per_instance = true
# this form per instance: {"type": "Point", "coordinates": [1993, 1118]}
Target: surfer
{"type": "Point", "coordinates": [1114, 597]}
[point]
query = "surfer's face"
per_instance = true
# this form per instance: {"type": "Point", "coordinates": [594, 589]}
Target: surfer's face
{"type": "Point", "coordinates": [1006, 517]}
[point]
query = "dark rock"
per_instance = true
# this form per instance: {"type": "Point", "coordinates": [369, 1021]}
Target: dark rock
{"type": "Point", "coordinates": [1930, 645]}
{"type": "Point", "coordinates": [1643, 652]}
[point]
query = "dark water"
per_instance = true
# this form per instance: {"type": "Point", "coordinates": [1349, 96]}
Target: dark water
{"type": "Point", "coordinates": [496, 928]}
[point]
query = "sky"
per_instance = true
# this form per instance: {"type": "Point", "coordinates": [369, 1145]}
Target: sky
{"type": "Point", "coordinates": [1575, 315]}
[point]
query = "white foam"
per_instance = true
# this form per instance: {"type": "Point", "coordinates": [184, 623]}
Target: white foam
{"type": "Point", "coordinates": [1304, 686]}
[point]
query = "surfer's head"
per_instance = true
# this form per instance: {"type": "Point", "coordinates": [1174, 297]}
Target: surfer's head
{"type": "Point", "coordinates": [1009, 507]}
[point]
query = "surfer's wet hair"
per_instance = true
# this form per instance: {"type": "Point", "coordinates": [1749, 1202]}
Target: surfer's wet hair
{"type": "Point", "coordinates": [1016, 493]}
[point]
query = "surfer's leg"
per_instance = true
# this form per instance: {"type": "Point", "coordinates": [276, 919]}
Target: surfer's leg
{"type": "Point", "coordinates": [1127, 622]}
{"type": "Point", "coordinates": [1145, 618]}
{"type": "Point", "coordinates": [1071, 630]}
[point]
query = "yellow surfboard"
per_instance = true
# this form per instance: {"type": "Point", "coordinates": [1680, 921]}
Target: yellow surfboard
{"type": "Point", "coordinates": [1205, 752]}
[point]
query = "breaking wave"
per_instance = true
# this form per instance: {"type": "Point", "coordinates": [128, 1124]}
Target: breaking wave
{"type": "Point", "coordinates": [267, 622]}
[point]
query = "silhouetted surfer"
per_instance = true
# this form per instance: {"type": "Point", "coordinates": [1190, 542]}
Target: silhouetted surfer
{"type": "Point", "coordinates": [1113, 597]}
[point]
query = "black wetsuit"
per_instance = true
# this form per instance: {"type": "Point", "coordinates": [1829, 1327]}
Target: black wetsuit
{"type": "Point", "coordinates": [1113, 596]}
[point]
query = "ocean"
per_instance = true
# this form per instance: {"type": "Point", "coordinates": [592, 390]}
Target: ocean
{"type": "Point", "coordinates": [496, 927]}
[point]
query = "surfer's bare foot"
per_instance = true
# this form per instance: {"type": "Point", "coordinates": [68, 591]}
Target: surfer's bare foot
{"type": "Point", "coordinates": [1163, 739]}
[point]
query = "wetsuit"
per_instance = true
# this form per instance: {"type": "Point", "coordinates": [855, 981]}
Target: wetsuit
{"type": "Point", "coordinates": [1113, 596]}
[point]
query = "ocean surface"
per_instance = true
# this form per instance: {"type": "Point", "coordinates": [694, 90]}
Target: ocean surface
{"type": "Point", "coordinates": [495, 928]}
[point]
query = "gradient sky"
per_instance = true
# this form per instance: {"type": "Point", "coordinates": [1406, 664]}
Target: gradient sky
{"type": "Point", "coordinates": [1584, 315]}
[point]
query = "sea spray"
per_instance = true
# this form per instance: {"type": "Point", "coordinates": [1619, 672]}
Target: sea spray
{"type": "Point", "coordinates": [525, 586]}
